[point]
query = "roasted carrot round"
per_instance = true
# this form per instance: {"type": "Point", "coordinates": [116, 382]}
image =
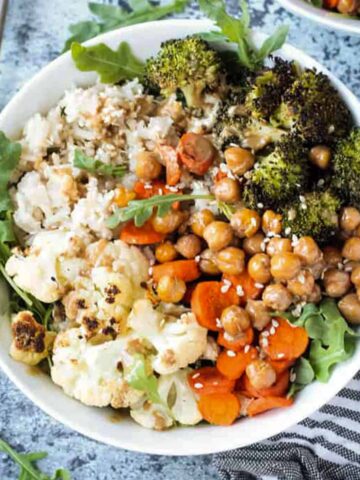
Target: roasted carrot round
{"type": "Point", "coordinates": [281, 365]}
{"type": "Point", "coordinates": [208, 301]}
{"type": "Point", "coordinates": [187, 270]}
{"type": "Point", "coordinates": [250, 289]}
{"type": "Point", "coordinates": [144, 235]}
{"type": "Point", "coordinates": [260, 405]}
{"type": "Point", "coordinates": [196, 152]}
{"type": "Point", "coordinates": [173, 170]}
{"type": "Point", "coordinates": [279, 388]}
{"type": "Point", "coordinates": [233, 364]}
{"type": "Point", "coordinates": [289, 342]}
{"type": "Point", "coordinates": [237, 344]}
{"type": "Point", "coordinates": [207, 380]}
{"type": "Point", "coordinates": [219, 408]}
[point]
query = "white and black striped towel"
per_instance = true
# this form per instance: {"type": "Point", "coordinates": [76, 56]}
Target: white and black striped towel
{"type": "Point", "coordinates": [325, 446]}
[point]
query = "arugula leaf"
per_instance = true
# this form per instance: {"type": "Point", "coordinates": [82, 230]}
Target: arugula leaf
{"type": "Point", "coordinates": [28, 469]}
{"type": "Point", "coordinates": [139, 378]}
{"type": "Point", "coordinates": [226, 209]}
{"type": "Point", "coordinates": [9, 158]}
{"type": "Point", "coordinates": [93, 165]}
{"type": "Point", "coordinates": [112, 65]}
{"type": "Point", "coordinates": [238, 31]}
{"type": "Point", "coordinates": [142, 210]}
{"type": "Point", "coordinates": [111, 17]}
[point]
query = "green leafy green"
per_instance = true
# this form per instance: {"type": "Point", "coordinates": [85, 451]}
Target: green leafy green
{"type": "Point", "coordinates": [112, 66]}
{"type": "Point", "coordinates": [138, 377]}
{"type": "Point", "coordinates": [9, 158]}
{"type": "Point", "coordinates": [111, 17]}
{"type": "Point", "coordinates": [237, 30]}
{"type": "Point", "coordinates": [27, 464]}
{"type": "Point", "coordinates": [95, 166]}
{"type": "Point", "coordinates": [226, 209]}
{"type": "Point", "coordinates": [141, 210]}
{"type": "Point", "coordinates": [304, 374]}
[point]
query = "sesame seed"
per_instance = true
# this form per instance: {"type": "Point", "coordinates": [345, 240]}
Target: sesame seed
{"type": "Point", "coordinates": [303, 206]}
{"type": "Point", "coordinates": [253, 222]}
{"type": "Point", "coordinates": [292, 377]}
{"type": "Point", "coordinates": [287, 231]}
{"type": "Point", "coordinates": [275, 323]}
{"type": "Point", "coordinates": [198, 385]}
{"type": "Point", "coordinates": [246, 348]}
{"type": "Point", "coordinates": [196, 375]}
{"type": "Point", "coordinates": [280, 355]}
{"type": "Point", "coordinates": [230, 353]}
{"type": "Point", "coordinates": [264, 342]}
{"type": "Point", "coordinates": [272, 331]}
{"type": "Point", "coordinates": [265, 334]}
{"type": "Point", "coordinates": [226, 282]}
{"type": "Point", "coordinates": [218, 323]}
{"type": "Point", "coordinates": [259, 285]}
{"type": "Point", "coordinates": [260, 205]}
{"type": "Point", "coordinates": [263, 246]}
{"type": "Point", "coordinates": [340, 266]}
{"type": "Point", "coordinates": [197, 258]}
{"type": "Point", "coordinates": [302, 198]}
{"type": "Point", "coordinates": [240, 291]}
{"type": "Point", "coordinates": [225, 288]}
{"type": "Point", "coordinates": [150, 271]}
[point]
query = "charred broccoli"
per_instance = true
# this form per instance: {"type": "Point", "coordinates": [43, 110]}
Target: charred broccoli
{"type": "Point", "coordinates": [313, 108]}
{"type": "Point", "coordinates": [188, 65]}
{"type": "Point", "coordinates": [314, 214]}
{"type": "Point", "coordinates": [268, 88]}
{"type": "Point", "coordinates": [346, 168]}
{"type": "Point", "coordinates": [234, 127]}
{"type": "Point", "coordinates": [279, 176]}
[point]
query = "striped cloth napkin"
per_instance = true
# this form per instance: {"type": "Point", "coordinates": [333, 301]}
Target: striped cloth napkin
{"type": "Point", "coordinates": [325, 446]}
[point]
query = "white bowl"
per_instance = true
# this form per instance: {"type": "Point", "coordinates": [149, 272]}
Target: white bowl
{"type": "Point", "coordinates": [330, 19]}
{"type": "Point", "coordinates": [41, 93]}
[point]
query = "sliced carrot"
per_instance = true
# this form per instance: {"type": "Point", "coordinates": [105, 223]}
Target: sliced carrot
{"type": "Point", "coordinates": [247, 284]}
{"type": "Point", "coordinates": [288, 341]}
{"type": "Point", "coordinates": [207, 380]}
{"type": "Point", "coordinates": [233, 365]}
{"type": "Point", "coordinates": [143, 235]}
{"type": "Point", "coordinates": [281, 365]}
{"type": "Point", "coordinates": [173, 170]}
{"type": "Point", "coordinates": [196, 152]}
{"type": "Point", "coordinates": [260, 405]}
{"type": "Point", "coordinates": [279, 388]}
{"type": "Point", "coordinates": [208, 302]}
{"type": "Point", "coordinates": [219, 408]}
{"type": "Point", "coordinates": [187, 270]}
{"type": "Point", "coordinates": [237, 344]}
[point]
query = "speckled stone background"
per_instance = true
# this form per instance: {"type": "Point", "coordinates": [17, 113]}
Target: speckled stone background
{"type": "Point", "coordinates": [34, 34]}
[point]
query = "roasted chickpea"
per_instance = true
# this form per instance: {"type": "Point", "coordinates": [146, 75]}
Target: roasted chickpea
{"type": "Point", "coordinates": [332, 256]}
{"type": "Point", "coordinates": [302, 284]}
{"type": "Point", "coordinates": [348, 7]}
{"type": "Point", "coordinates": [147, 166]}
{"type": "Point", "coordinates": [165, 252]}
{"type": "Point", "coordinates": [285, 265]}
{"type": "Point", "coordinates": [315, 295]}
{"type": "Point", "coordinates": [169, 222]}
{"type": "Point", "coordinates": [336, 282]}
{"type": "Point", "coordinates": [259, 313]}
{"type": "Point", "coordinates": [200, 220]}
{"type": "Point", "coordinates": [254, 244]}
{"type": "Point", "coordinates": [351, 249]}
{"type": "Point", "coordinates": [260, 374]}
{"type": "Point", "coordinates": [259, 268]}
{"type": "Point", "coordinates": [349, 306]}
{"type": "Point", "coordinates": [317, 269]}
{"type": "Point", "coordinates": [227, 190]}
{"type": "Point", "coordinates": [208, 263]}
{"type": "Point", "coordinates": [349, 219]}
{"type": "Point", "coordinates": [218, 235]}
{"type": "Point", "coordinates": [188, 246]}
{"type": "Point", "coordinates": [320, 156]}
{"type": "Point", "coordinates": [277, 297]}
{"type": "Point", "coordinates": [171, 289]}
{"type": "Point", "coordinates": [278, 245]}
{"type": "Point", "coordinates": [355, 276]}
{"type": "Point", "coordinates": [235, 320]}
{"type": "Point", "coordinates": [271, 222]}
{"type": "Point", "coordinates": [231, 260]}
{"type": "Point", "coordinates": [245, 222]}
{"type": "Point", "coordinates": [308, 250]}
{"type": "Point", "coordinates": [239, 160]}
{"type": "Point", "coordinates": [123, 196]}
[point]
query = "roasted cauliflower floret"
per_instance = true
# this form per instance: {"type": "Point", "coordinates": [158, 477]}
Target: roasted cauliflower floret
{"type": "Point", "coordinates": [90, 373]}
{"type": "Point", "coordinates": [49, 266]}
{"type": "Point", "coordinates": [178, 341]}
{"type": "Point", "coordinates": [31, 342]}
{"type": "Point", "coordinates": [179, 404]}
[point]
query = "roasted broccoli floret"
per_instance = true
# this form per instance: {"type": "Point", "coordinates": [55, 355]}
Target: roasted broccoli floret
{"type": "Point", "coordinates": [346, 169]}
{"type": "Point", "coordinates": [314, 214]}
{"type": "Point", "coordinates": [313, 108]}
{"type": "Point", "coordinates": [233, 125]}
{"type": "Point", "coordinates": [279, 176]}
{"type": "Point", "coordinates": [188, 65]}
{"type": "Point", "coordinates": [268, 88]}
